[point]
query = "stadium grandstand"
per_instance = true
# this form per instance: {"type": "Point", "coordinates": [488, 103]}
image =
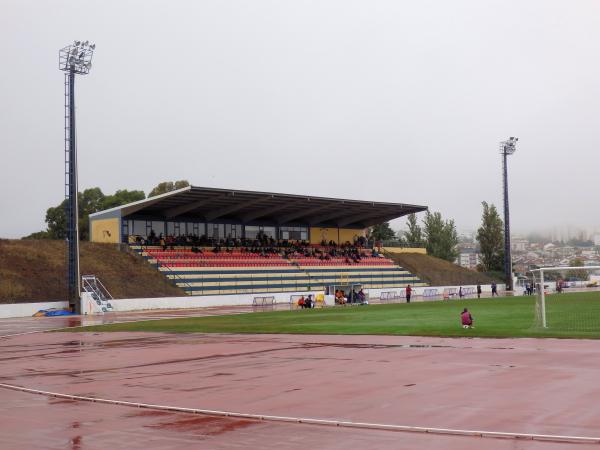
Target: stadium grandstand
{"type": "Point", "coordinates": [218, 241]}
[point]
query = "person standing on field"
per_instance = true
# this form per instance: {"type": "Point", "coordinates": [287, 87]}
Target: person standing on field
{"type": "Point", "coordinates": [494, 290]}
{"type": "Point", "coordinates": [478, 290]}
{"type": "Point", "coordinates": [408, 293]}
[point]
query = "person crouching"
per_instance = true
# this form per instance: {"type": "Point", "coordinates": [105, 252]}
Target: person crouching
{"type": "Point", "coordinates": [466, 319]}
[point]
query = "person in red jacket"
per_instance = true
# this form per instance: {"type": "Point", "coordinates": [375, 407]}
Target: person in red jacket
{"type": "Point", "coordinates": [466, 319]}
{"type": "Point", "coordinates": [408, 293]}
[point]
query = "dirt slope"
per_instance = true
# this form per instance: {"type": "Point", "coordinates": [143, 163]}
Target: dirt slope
{"type": "Point", "coordinates": [438, 272]}
{"type": "Point", "coordinates": [35, 270]}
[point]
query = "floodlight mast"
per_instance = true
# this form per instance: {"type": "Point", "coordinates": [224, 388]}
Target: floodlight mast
{"type": "Point", "coordinates": [73, 59]}
{"type": "Point", "coordinates": [507, 147]}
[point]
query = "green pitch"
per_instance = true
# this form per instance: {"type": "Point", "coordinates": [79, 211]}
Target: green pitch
{"type": "Point", "coordinates": [569, 315]}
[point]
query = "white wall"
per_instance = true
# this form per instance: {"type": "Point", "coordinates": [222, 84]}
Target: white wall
{"type": "Point", "coordinates": [28, 309]}
{"type": "Point", "coordinates": [418, 291]}
{"type": "Point", "coordinates": [201, 301]}
{"type": "Point", "coordinates": [189, 302]}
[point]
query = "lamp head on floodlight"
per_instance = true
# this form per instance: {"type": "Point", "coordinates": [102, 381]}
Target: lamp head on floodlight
{"type": "Point", "coordinates": [76, 58]}
{"type": "Point", "coordinates": [510, 146]}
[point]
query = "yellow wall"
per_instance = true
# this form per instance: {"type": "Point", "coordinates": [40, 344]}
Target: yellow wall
{"type": "Point", "coordinates": [338, 235]}
{"type": "Point", "coordinates": [422, 251]}
{"type": "Point", "coordinates": [105, 230]}
{"type": "Point", "coordinates": [347, 235]}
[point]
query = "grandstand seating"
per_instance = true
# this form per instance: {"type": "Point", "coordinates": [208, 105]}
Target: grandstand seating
{"type": "Point", "coordinates": [240, 272]}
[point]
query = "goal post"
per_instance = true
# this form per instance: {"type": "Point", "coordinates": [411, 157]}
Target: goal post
{"type": "Point", "coordinates": [556, 314]}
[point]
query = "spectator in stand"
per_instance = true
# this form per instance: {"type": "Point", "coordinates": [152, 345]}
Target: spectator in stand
{"type": "Point", "coordinates": [466, 319]}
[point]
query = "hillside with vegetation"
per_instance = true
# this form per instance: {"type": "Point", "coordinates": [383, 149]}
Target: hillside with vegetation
{"type": "Point", "coordinates": [439, 272]}
{"type": "Point", "coordinates": [35, 270]}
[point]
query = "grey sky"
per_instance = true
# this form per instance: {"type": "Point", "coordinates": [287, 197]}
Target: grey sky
{"type": "Point", "coordinates": [378, 100]}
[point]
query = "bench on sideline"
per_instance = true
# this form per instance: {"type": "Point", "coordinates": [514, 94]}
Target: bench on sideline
{"type": "Point", "coordinates": [263, 301]}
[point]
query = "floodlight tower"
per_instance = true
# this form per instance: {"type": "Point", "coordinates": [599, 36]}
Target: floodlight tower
{"type": "Point", "coordinates": [507, 147]}
{"type": "Point", "coordinates": [74, 59]}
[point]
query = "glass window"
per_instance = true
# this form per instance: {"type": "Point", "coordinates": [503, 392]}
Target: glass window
{"type": "Point", "coordinates": [293, 233]}
{"type": "Point", "coordinates": [233, 231]}
{"type": "Point", "coordinates": [252, 231]}
{"type": "Point", "coordinates": [159, 227]}
{"type": "Point", "coordinates": [190, 229]}
{"type": "Point", "coordinates": [171, 228]}
{"type": "Point", "coordinates": [139, 227]}
{"type": "Point", "coordinates": [269, 231]}
{"type": "Point", "coordinates": [216, 231]}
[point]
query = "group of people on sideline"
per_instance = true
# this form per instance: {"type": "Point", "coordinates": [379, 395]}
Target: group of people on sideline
{"type": "Point", "coordinates": [353, 297]}
{"type": "Point", "coordinates": [307, 302]}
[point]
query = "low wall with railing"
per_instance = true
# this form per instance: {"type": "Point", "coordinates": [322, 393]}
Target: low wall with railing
{"type": "Point", "coordinates": [139, 304]}
{"type": "Point", "coordinates": [188, 302]}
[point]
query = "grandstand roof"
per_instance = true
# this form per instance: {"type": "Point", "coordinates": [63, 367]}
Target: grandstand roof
{"type": "Point", "coordinates": [218, 205]}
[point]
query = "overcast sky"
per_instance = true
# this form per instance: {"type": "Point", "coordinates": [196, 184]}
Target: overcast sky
{"type": "Point", "coordinates": [399, 101]}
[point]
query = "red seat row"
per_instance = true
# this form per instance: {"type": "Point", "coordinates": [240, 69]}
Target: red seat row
{"type": "Point", "coordinates": [225, 265]}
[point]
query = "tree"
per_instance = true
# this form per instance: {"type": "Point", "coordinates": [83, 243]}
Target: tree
{"type": "Point", "coordinates": [440, 235]}
{"type": "Point", "coordinates": [56, 218]}
{"type": "Point", "coordinates": [414, 235]}
{"type": "Point", "coordinates": [382, 232]}
{"type": "Point", "coordinates": [122, 197]}
{"type": "Point", "coordinates": [491, 240]}
{"type": "Point", "coordinates": [89, 201]}
{"type": "Point", "coordinates": [37, 235]}
{"type": "Point", "coordinates": [576, 274]}
{"type": "Point", "coordinates": [167, 186]}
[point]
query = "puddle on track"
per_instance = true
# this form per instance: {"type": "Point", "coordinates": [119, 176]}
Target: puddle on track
{"type": "Point", "coordinates": [204, 425]}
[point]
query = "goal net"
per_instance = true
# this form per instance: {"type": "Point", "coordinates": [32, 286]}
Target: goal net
{"type": "Point", "coordinates": [567, 298]}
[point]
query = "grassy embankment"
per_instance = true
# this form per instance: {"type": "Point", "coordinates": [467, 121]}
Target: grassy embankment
{"type": "Point", "coordinates": [35, 270]}
{"type": "Point", "coordinates": [569, 315]}
{"type": "Point", "coordinates": [438, 272]}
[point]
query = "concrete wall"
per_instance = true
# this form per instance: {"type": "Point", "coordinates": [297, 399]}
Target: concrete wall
{"type": "Point", "coordinates": [140, 304]}
{"type": "Point", "coordinates": [204, 301]}
{"type": "Point", "coordinates": [28, 309]}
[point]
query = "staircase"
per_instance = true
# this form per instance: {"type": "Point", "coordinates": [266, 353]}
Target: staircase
{"type": "Point", "coordinates": [98, 292]}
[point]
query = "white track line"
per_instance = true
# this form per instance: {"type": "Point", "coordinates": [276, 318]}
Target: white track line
{"type": "Point", "coordinates": [311, 421]}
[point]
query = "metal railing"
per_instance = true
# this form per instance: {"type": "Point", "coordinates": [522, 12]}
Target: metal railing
{"type": "Point", "coordinates": [99, 293]}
